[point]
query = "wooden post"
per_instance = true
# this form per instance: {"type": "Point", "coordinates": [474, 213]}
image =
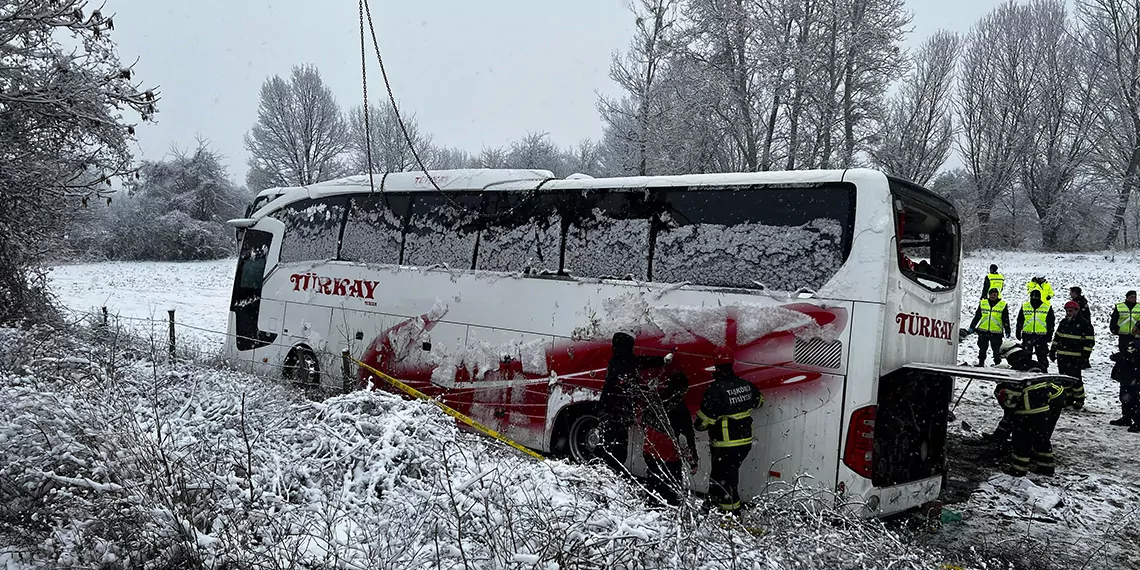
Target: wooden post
{"type": "Point", "coordinates": [346, 371]}
{"type": "Point", "coordinates": [171, 315]}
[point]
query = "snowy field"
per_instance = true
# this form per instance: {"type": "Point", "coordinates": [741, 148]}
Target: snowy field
{"type": "Point", "coordinates": [1085, 517]}
{"type": "Point", "coordinates": [141, 293]}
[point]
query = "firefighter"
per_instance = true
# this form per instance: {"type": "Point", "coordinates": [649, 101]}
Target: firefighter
{"type": "Point", "coordinates": [1042, 285]}
{"type": "Point", "coordinates": [1127, 372]}
{"type": "Point", "coordinates": [1030, 448]}
{"type": "Point", "coordinates": [1072, 346]}
{"type": "Point", "coordinates": [993, 280]}
{"type": "Point", "coordinates": [617, 412]}
{"type": "Point", "coordinates": [1075, 294]}
{"type": "Point", "coordinates": [1125, 316]}
{"type": "Point", "coordinates": [1035, 327]}
{"type": "Point", "coordinates": [726, 413]}
{"type": "Point", "coordinates": [667, 425]}
{"type": "Point", "coordinates": [1017, 358]}
{"type": "Point", "coordinates": [991, 320]}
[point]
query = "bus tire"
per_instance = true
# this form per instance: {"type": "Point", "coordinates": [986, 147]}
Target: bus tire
{"type": "Point", "coordinates": [302, 367]}
{"type": "Point", "coordinates": [576, 433]}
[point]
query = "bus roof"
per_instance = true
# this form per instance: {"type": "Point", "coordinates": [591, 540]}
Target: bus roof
{"type": "Point", "coordinates": [484, 179]}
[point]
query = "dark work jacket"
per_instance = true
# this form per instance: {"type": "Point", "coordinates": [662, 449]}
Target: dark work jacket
{"type": "Point", "coordinates": [666, 417]}
{"type": "Point", "coordinates": [1127, 367]}
{"type": "Point", "coordinates": [1084, 311]}
{"type": "Point", "coordinates": [1074, 335]}
{"type": "Point", "coordinates": [622, 375]}
{"type": "Point", "coordinates": [726, 409]}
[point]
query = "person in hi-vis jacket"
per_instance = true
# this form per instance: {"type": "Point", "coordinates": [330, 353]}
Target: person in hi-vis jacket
{"type": "Point", "coordinates": [726, 413]}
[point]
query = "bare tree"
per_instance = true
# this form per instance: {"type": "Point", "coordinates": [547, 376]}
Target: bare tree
{"type": "Point", "coordinates": [390, 150]}
{"type": "Point", "coordinates": [1110, 34]}
{"type": "Point", "coordinates": [996, 89]}
{"type": "Point", "coordinates": [300, 134]}
{"type": "Point", "coordinates": [448, 158]}
{"type": "Point", "coordinates": [872, 59]}
{"type": "Point", "coordinates": [1061, 117]}
{"type": "Point", "coordinates": [535, 151]}
{"type": "Point", "coordinates": [63, 135]}
{"type": "Point", "coordinates": [915, 138]}
{"type": "Point", "coordinates": [491, 157]}
{"type": "Point", "coordinates": [639, 73]}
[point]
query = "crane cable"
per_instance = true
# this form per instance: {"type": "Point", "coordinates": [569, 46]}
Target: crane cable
{"type": "Point", "coordinates": [366, 13]}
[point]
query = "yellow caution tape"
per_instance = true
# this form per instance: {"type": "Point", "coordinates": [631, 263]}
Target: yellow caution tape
{"type": "Point", "coordinates": [446, 409]}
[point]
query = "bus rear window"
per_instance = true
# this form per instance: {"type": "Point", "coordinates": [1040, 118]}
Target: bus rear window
{"type": "Point", "coordinates": [928, 241]}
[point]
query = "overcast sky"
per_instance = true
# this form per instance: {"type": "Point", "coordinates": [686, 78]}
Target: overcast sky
{"type": "Point", "coordinates": [476, 73]}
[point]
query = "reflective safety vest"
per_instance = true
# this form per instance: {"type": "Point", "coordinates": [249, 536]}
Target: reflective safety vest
{"type": "Point", "coordinates": [1128, 318]}
{"type": "Point", "coordinates": [1029, 400]}
{"type": "Point", "coordinates": [726, 410]}
{"type": "Point", "coordinates": [1035, 319]}
{"type": "Point", "coordinates": [991, 316]}
{"type": "Point", "coordinates": [1045, 288]}
{"type": "Point", "coordinates": [997, 281]}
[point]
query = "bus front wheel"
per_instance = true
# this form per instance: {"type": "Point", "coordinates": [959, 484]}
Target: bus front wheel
{"type": "Point", "coordinates": [583, 437]}
{"type": "Point", "coordinates": [302, 368]}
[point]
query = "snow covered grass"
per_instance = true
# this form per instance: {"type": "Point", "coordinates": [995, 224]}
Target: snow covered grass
{"type": "Point", "coordinates": [307, 461]}
{"type": "Point", "coordinates": [117, 459]}
{"type": "Point", "coordinates": [1087, 515]}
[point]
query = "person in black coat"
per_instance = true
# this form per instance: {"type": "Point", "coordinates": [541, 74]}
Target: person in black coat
{"type": "Point", "coordinates": [617, 410]}
{"type": "Point", "coordinates": [669, 435]}
{"type": "Point", "coordinates": [1073, 344]}
{"type": "Point", "coordinates": [1127, 372]}
{"type": "Point", "coordinates": [1075, 294]}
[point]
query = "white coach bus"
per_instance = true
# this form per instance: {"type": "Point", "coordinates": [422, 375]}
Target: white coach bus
{"type": "Point", "coordinates": [499, 293]}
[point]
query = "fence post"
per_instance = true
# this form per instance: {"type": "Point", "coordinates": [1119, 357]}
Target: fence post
{"type": "Point", "coordinates": [346, 371]}
{"type": "Point", "coordinates": [171, 315]}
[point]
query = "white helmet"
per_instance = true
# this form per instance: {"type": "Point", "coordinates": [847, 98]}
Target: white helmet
{"type": "Point", "coordinates": [1008, 345]}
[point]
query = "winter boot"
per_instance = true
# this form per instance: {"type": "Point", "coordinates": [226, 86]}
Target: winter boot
{"type": "Point", "coordinates": [1135, 428]}
{"type": "Point", "coordinates": [1121, 422]}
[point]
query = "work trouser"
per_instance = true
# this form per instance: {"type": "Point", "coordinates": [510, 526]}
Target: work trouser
{"type": "Point", "coordinates": [1122, 342]}
{"type": "Point", "coordinates": [724, 479]}
{"type": "Point", "coordinates": [993, 342]}
{"type": "Point", "coordinates": [1030, 448]}
{"type": "Point", "coordinates": [614, 447]}
{"type": "Point", "coordinates": [1071, 366]}
{"type": "Point", "coordinates": [1038, 345]}
{"type": "Point", "coordinates": [664, 479]}
{"type": "Point", "coordinates": [1130, 400]}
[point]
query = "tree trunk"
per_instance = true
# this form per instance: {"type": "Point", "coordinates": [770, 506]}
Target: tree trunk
{"type": "Point", "coordinates": [1121, 207]}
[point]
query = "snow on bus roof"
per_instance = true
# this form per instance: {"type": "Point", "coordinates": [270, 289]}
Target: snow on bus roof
{"type": "Point", "coordinates": [485, 179]}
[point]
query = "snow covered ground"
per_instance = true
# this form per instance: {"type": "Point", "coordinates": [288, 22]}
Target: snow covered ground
{"type": "Point", "coordinates": [141, 293]}
{"type": "Point", "coordinates": [1086, 516]}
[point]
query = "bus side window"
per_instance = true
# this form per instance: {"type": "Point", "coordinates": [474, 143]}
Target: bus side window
{"type": "Point", "coordinates": [783, 238]}
{"type": "Point", "coordinates": [442, 229]}
{"type": "Point", "coordinates": [312, 228]}
{"type": "Point", "coordinates": [520, 231]}
{"type": "Point", "coordinates": [608, 234]}
{"type": "Point", "coordinates": [374, 230]}
{"type": "Point", "coordinates": [928, 245]}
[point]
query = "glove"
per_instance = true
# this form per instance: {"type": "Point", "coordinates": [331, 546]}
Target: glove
{"type": "Point", "coordinates": [970, 331]}
{"type": "Point", "coordinates": [1114, 356]}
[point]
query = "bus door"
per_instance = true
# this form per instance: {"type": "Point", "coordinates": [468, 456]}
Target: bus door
{"type": "Point", "coordinates": [256, 319]}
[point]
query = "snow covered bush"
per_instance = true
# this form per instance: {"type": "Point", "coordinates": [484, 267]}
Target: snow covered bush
{"type": "Point", "coordinates": [116, 461]}
{"type": "Point", "coordinates": [63, 134]}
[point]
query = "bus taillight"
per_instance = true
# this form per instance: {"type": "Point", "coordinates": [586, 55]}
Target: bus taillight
{"type": "Point", "coordinates": [860, 441]}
